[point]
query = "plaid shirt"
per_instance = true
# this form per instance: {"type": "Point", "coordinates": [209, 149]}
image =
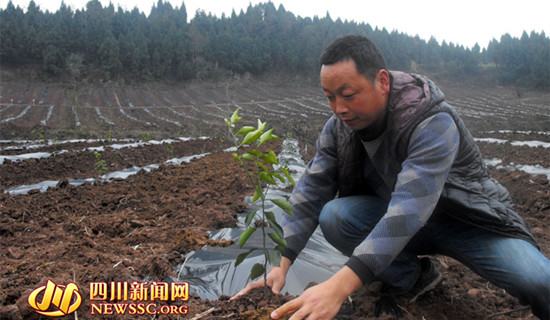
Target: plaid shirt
{"type": "Point", "coordinates": [412, 188]}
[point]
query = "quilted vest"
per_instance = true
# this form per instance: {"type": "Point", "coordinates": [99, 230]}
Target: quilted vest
{"type": "Point", "coordinates": [470, 194]}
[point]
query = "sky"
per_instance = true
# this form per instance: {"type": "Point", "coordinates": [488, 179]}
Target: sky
{"type": "Point", "coordinates": [464, 22]}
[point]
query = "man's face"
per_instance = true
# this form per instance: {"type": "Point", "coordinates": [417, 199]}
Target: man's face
{"type": "Point", "coordinates": [354, 98]}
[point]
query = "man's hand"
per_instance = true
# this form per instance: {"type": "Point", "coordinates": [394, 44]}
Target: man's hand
{"type": "Point", "coordinates": [276, 280]}
{"type": "Point", "coordinates": [323, 301]}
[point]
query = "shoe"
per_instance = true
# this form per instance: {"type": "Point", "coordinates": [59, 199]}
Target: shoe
{"type": "Point", "coordinates": [387, 306]}
{"type": "Point", "coordinates": [429, 278]}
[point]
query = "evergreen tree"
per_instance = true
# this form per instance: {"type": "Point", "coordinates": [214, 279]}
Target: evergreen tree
{"type": "Point", "coordinates": [53, 60]}
{"type": "Point", "coordinates": [109, 55]}
{"type": "Point", "coordinates": [12, 44]}
{"type": "Point", "coordinates": [261, 39]}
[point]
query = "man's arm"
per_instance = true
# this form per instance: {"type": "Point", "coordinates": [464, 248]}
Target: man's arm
{"type": "Point", "coordinates": [431, 152]}
{"type": "Point", "coordinates": [316, 187]}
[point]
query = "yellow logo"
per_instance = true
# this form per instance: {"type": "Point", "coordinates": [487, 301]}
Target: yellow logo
{"type": "Point", "coordinates": [65, 298]}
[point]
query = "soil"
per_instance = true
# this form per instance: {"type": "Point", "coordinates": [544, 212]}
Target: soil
{"type": "Point", "coordinates": [142, 227]}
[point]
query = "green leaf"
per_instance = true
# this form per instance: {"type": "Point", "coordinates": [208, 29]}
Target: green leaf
{"type": "Point", "coordinates": [261, 125]}
{"type": "Point", "coordinates": [242, 256]}
{"type": "Point", "coordinates": [289, 177]}
{"type": "Point", "coordinates": [278, 176]}
{"type": "Point", "coordinates": [266, 176]}
{"type": "Point", "coordinates": [245, 235]}
{"type": "Point", "coordinates": [235, 117]}
{"type": "Point", "coordinates": [274, 257]}
{"type": "Point", "coordinates": [270, 157]}
{"type": "Point", "coordinates": [252, 136]}
{"type": "Point", "coordinates": [278, 240]}
{"type": "Point", "coordinates": [270, 216]}
{"type": "Point", "coordinates": [281, 249]}
{"type": "Point", "coordinates": [236, 156]}
{"type": "Point", "coordinates": [277, 228]}
{"type": "Point", "coordinates": [261, 165]}
{"type": "Point", "coordinates": [256, 271]}
{"type": "Point", "coordinates": [255, 152]}
{"type": "Point", "coordinates": [283, 204]}
{"type": "Point", "coordinates": [250, 217]}
{"type": "Point", "coordinates": [257, 194]}
{"type": "Point", "coordinates": [248, 156]}
{"type": "Point", "coordinates": [267, 136]}
{"type": "Point", "coordinates": [246, 129]}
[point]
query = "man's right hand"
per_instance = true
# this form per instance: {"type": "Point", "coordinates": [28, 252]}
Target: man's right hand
{"type": "Point", "coordinates": [276, 279]}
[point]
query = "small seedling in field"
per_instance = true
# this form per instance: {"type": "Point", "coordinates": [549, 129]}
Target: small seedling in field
{"type": "Point", "coordinates": [146, 136]}
{"type": "Point", "coordinates": [180, 130]}
{"type": "Point", "coordinates": [170, 150]}
{"type": "Point", "coordinates": [39, 134]}
{"type": "Point", "coordinates": [100, 163]}
{"type": "Point", "coordinates": [258, 166]}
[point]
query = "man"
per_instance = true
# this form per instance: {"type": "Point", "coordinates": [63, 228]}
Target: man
{"type": "Point", "coordinates": [398, 175]}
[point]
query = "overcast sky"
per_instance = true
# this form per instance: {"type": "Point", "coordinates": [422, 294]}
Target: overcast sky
{"type": "Point", "coordinates": [463, 22]}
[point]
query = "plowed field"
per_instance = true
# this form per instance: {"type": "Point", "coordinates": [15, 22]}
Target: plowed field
{"type": "Point", "coordinates": [139, 228]}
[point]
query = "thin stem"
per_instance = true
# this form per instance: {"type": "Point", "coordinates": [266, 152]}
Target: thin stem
{"type": "Point", "coordinates": [254, 183]}
{"type": "Point", "coordinates": [262, 194]}
{"type": "Point", "coordinates": [264, 245]}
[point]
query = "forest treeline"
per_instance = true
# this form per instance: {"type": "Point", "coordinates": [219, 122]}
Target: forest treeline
{"type": "Point", "coordinates": [111, 44]}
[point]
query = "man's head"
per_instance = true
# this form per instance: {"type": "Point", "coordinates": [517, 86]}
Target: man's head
{"type": "Point", "coordinates": [356, 83]}
{"type": "Point", "coordinates": [367, 56]}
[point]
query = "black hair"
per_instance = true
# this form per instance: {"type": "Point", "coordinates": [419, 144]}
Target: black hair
{"type": "Point", "coordinates": [367, 56]}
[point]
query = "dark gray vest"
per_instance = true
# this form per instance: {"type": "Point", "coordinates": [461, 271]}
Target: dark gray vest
{"type": "Point", "coordinates": [470, 194]}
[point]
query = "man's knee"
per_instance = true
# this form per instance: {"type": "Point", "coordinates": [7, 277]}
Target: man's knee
{"type": "Point", "coordinates": [329, 220]}
{"type": "Point", "coordinates": [328, 213]}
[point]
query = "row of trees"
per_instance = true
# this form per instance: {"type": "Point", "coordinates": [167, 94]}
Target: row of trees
{"type": "Point", "coordinates": [524, 62]}
{"type": "Point", "coordinates": [104, 43]}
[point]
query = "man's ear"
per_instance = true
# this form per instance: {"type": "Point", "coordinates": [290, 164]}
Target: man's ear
{"type": "Point", "coordinates": [383, 80]}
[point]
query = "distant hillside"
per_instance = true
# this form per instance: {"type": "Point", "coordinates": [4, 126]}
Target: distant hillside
{"type": "Point", "coordinates": [101, 44]}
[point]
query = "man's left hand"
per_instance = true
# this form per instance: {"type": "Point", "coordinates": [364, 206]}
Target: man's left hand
{"type": "Point", "coordinates": [323, 301]}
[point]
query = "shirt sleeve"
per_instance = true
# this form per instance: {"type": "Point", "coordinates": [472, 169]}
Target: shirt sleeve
{"type": "Point", "coordinates": [316, 187]}
{"type": "Point", "coordinates": [432, 149]}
